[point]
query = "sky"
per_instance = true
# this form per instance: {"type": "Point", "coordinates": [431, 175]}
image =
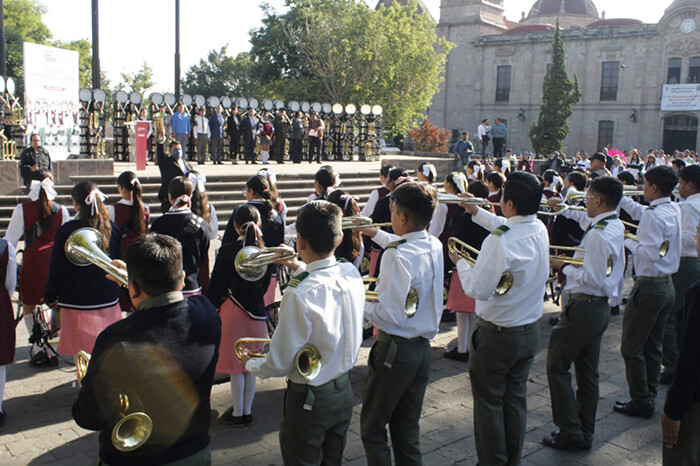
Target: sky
{"type": "Point", "coordinates": [134, 31]}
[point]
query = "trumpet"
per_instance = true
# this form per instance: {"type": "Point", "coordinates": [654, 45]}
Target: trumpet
{"type": "Point", "coordinates": [361, 222]}
{"type": "Point", "coordinates": [84, 247]}
{"type": "Point", "coordinates": [578, 260]}
{"type": "Point", "coordinates": [410, 306]}
{"type": "Point", "coordinates": [663, 247]}
{"type": "Point", "coordinates": [132, 430]}
{"type": "Point", "coordinates": [251, 262]}
{"type": "Point", "coordinates": [633, 192]}
{"type": "Point", "coordinates": [460, 248]}
{"type": "Point", "coordinates": [454, 199]}
{"type": "Point", "coordinates": [307, 361]}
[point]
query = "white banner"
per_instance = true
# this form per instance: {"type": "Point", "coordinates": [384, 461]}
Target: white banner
{"type": "Point", "coordinates": [51, 84]}
{"type": "Point", "coordinates": [680, 97]}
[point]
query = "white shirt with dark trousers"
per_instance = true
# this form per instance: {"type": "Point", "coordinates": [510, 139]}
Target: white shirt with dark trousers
{"type": "Point", "coordinates": [690, 216]}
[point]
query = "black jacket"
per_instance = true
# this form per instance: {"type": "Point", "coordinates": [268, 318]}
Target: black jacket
{"type": "Point", "coordinates": [232, 127]}
{"type": "Point", "coordinates": [249, 128]}
{"type": "Point", "coordinates": [78, 287]}
{"type": "Point", "coordinates": [163, 359]}
{"type": "Point", "coordinates": [272, 227]}
{"type": "Point", "coordinates": [28, 158]}
{"type": "Point", "coordinates": [169, 169]}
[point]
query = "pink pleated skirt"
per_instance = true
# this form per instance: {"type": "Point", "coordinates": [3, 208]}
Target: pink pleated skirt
{"type": "Point", "coordinates": [373, 259]}
{"type": "Point", "coordinates": [270, 294]}
{"type": "Point", "coordinates": [456, 299]}
{"type": "Point", "coordinates": [235, 324]}
{"type": "Point", "coordinates": [79, 329]}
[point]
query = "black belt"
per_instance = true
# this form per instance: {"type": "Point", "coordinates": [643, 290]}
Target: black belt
{"type": "Point", "coordinates": [334, 384]}
{"type": "Point", "coordinates": [486, 324]}
{"type": "Point", "coordinates": [393, 341]}
{"type": "Point", "coordinates": [664, 279]}
{"type": "Point", "coordinates": [587, 297]}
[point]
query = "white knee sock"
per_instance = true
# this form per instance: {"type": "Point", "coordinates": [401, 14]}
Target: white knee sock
{"type": "Point", "coordinates": [250, 382]}
{"type": "Point", "coordinates": [3, 378]}
{"type": "Point", "coordinates": [462, 332]}
{"type": "Point", "coordinates": [237, 393]}
{"type": "Point", "coordinates": [265, 155]}
{"type": "Point", "coordinates": [29, 323]}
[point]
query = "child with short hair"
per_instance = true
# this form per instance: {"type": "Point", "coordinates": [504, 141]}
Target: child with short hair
{"type": "Point", "coordinates": [399, 363]}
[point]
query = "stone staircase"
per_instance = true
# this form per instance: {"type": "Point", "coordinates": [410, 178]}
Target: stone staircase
{"type": "Point", "coordinates": [224, 192]}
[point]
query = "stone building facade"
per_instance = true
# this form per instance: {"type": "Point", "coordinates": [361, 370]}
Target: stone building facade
{"type": "Point", "coordinates": [497, 69]}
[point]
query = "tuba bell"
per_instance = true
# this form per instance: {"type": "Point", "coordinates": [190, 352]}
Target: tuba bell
{"type": "Point", "coordinates": [84, 247]}
{"type": "Point", "coordinates": [307, 360]}
{"type": "Point", "coordinates": [410, 305]}
{"type": "Point", "coordinates": [251, 262]}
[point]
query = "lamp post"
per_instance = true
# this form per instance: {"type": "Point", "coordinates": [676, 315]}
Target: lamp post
{"type": "Point", "coordinates": [177, 49]}
{"type": "Point", "coordinates": [3, 52]}
{"type": "Point", "coordinates": [95, 45]}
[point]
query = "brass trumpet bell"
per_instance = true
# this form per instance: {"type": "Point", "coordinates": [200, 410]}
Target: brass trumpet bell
{"type": "Point", "coordinates": [663, 247]}
{"type": "Point", "coordinates": [81, 363]}
{"type": "Point", "coordinates": [579, 260]}
{"type": "Point", "coordinates": [307, 360]}
{"type": "Point", "coordinates": [361, 222]}
{"type": "Point", "coordinates": [240, 347]}
{"type": "Point", "coordinates": [445, 198]}
{"type": "Point", "coordinates": [462, 249]}
{"type": "Point", "coordinates": [84, 247]}
{"type": "Point", "coordinates": [410, 306]}
{"type": "Point", "coordinates": [251, 262]}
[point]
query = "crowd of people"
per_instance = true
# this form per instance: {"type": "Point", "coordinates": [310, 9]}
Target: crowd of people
{"type": "Point", "coordinates": [185, 317]}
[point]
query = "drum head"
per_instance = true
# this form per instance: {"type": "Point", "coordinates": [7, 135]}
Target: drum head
{"type": "Point", "coordinates": [267, 104]}
{"type": "Point", "coordinates": [135, 98]}
{"type": "Point", "coordinates": [84, 94]}
{"type": "Point", "coordinates": [120, 96]}
{"type": "Point", "coordinates": [243, 103]}
{"type": "Point", "coordinates": [10, 86]}
{"type": "Point", "coordinates": [226, 102]}
{"type": "Point", "coordinates": [156, 98]}
{"type": "Point", "coordinates": [350, 109]}
{"type": "Point", "coordinates": [170, 99]}
{"type": "Point", "coordinates": [305, 107]}
{"type": "Point", "coordinates": [365, 109]}
{"type": "Point", "coordinates": [2, 87]}
{"type": "Point", "coordinates": [199, 100]}
{"type": "Point", "coordinates": [279, 104]}
{"type": "Point", "coordinates": [213, 101]}
{"type": "Point", "coordinates": [377, 110]}
{"type": "Point", "coordinates": [186, 100]}
{"type": "Point", "coordinates": [337, 109]}
{"type": "Point", "coordinates": [253, 103]}
{"type": "Point", "coordinates": [317, 107]}
{"type": "Point", "coordinates": [327, 108]}
{"type": "Point", "coordinates": [294, 106]}
{"type": "Point", "coordinates": [99, 95]}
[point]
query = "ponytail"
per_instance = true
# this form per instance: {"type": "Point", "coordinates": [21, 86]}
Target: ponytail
{"type": "Point", "coordinates": [130, 182]}
{"type": "Point", "coordinates": [200, 200]}
{"type": "Point", "coordinates": [261, 190]}
{"type": "Point", "coordinates": [93, 212]}
{"type": "Point", "coordinates": [246, 217]}
{"type": "Point", "coordinates": [45, 215]}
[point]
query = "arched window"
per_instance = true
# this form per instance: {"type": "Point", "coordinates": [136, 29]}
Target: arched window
{"type": "Point", "coordinates": [674, 71]}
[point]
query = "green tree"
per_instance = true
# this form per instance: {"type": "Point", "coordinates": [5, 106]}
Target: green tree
{"type": "Point", "coordinates": [559, 94]}
{"type": "Point", "coordinates": [140, 82]}
{"type": "Point", "coordinates": [23, 23]}
{"type": "Point", "coordinates": [343, 51]}
{"type": "Point", "coordinates": [221, 75]}
{"type": "Point", "coordinates": [84, 49]}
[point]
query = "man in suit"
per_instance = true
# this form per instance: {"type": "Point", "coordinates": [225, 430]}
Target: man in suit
{"type": "Point", "coordinates": [216, 127]}
{"type": "Point", "coordinates": [233, 133]}
{"type": "Point", "coordinates": [249, 128]}
{"type": "Point", "coordinates": [171, 166]}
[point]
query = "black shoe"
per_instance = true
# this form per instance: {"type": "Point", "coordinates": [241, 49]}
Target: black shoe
{"type": "Point", "coordinates": [254, 162]}
{"type": "Point", "coordinates": [667, 377]}
{"type": "Point", "coordinates": [555, 441]}
{"type": "Point", "coordinates": [615, 311]}
{"type": "Point", "coordinates": [448, 316]}
{"type": "Point", "coordinates": [635, 408]}
{"type": "Point", "coordinates": [456, 355]}
{"type": "Point", "coordinates": [554, 320]}
{"type": "Point", "coordinates": [248, 419]}
{"type": "Point", "coordinates": [236, 421]}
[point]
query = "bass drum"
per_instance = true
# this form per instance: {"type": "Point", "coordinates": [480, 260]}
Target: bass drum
{"type": "Point", "coordinates": [365, 109]}
{"type": "Point", "coordinates": [243, 103]}
{"type": "Point", "coordinates": [338, 109]}
{"type": "Point", "coordinates": [213, 101]}
{"type": "Point", "coordinates": [253, 103]}
{"type": "Point", "coordinates": [377, 110]}
{"type": "Point", "coordinates": [317, 107]}
{"type": "Point", "coordinates": [199, 100]}
{"type": "Point", "coordinates": [156, 98]}
{"type": "Point", "coordinates": [84, 95]}
{"type": "Point", "coordinates": [327, 108]}
{"type": "Point", "coordinates": [279, 104]}
{"type": "Point", "coordinates": [135, 98]}
{"type": "Point", "coordinates": [99, 95]}
{"type": "Point", "coordinates": [267, 105]}
{"type": "Point", "coordinates": [10, 86]}
{"type": "Point", "coordinates": [350, 109]}
{"type": "Point", "coordinates": [294, 106]}
{"type": "Point", "coordinates": [187, 100]}
{"type": "Point", "coordinates": [120, 96]}
{"type": "Point", "coordinates": [305, 107]}
{"type": "Point", "coordinates": [226, 102]}
{"type": "Point", "coordinates": [170, 99]}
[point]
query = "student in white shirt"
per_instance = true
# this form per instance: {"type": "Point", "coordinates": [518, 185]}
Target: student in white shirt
{"type": "Point", "coordinates": [506, 338]}
{"type": "Point", "coordinates": [378, 193]}
{"type": "Point", "coordinates": [652, 296]}
{"type": "Point", "coordinates": [201, 135]}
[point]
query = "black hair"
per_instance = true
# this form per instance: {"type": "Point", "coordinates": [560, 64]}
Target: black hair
{"type": "Point", "coordinates": [325, 176]}
{"type": "Point", "coordinates": [174, 142]}
{"type": "Point", "coordinates": [471, 164]}
{"type": "Point", "coordinates": [495, 179]}
{"type": "Point", "coordinates": [525, 191]}
{"type": "Point", "coordinates": [609, 188]}
{"type": "Point", "coordinates": [429, 176]}
{"type": "Point", "coordinates": [578, 179]}
{"type": "Point", "coordinates": [396, 173]}
{"type": "Point", "coordinates": [663, 177]}
{"type": "Point", "coordinates": [319, 223]}
{"type": "Point", "coordinates": [351, 245]}
{"type": "Point", "coordinates": [678, 162]}
{"type": "Point", "coordinates": [261, 190]}
{"type": "Point", "coordinates": [180, 186]}
{"type": "Point", "coordinates": [478, 189]}
{"type": "Point", "coordinates": [45, 215]}
{"type": "Point", "coordinates": [416, 200]}
{"type": "Point", "coordinates": [691, 174]}
{"type": "Point", "coordinates": [626, 178]}
{"type": "Point", "coordinates": [499, 163]}
{"type": "Point", "coordinates": [274, 193]}
{"type": "Point", "coordinates": [248, 213]}
{"type": "Point", "coordinates": [384, 171]}
{"type": "Point", "coordinates": [138, 217]}
{"type": "Point", "coordinates": [550, 176]}
{"type": "Point", "coordinates": [100, 220]}
{"type": "Point", "coordinates": [154, 262]}
{"type": "Point", "coordinates": [200, 201]}
{"type": "Point", "coordinates": [450, 179]}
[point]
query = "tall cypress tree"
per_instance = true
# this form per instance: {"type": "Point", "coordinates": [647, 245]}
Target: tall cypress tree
{"type": "Point", "coordinates": [558, 95]}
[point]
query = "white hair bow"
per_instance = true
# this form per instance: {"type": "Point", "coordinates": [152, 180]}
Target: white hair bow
{"type": "Point", "coordinates": [182, 201]}
{"type": "Point", "coordinates": [197, 181]}
{"type": "Point", "coordinates": [269, 174]}
{"type": "Point", "coordinates": [337, 181]}
{"type": "Point", "coordinates": [91, 199]}
{"type": "Point", "coordinates": [36, 186]}
{"type": "Point", "coordinates": [429, 168]}
{"type": "Point", "coordinates": [256, 230]}
{"type": "Point", "coordinates": [347, 198]}
{"type": "Point", "coordinates": [135, 181]}
{"type": "Point", "coordinates": [460, 181]}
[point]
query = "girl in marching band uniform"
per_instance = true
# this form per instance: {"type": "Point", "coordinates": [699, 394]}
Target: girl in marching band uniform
{"type": "Point", "coordinates": [277, 202]}
{"type": "Point", "coordinates": [37, 220]}
{"type": "Point", "coordinates": [350, 248]}
{"type": "Point", "coordinates": [475, 171]}
{"type": "Point", "coordinates": [189, 229]}
{"type": "Point", "coordinates": [427, 174]}
{"type": "Point", "coordinates": [242, 310]}
{"type": "Point", "coordinates": [494, 181]}
{"type": "Point", "coordinates": [88, 301]}
{"type": "Point", "coordinates": [267, 130]}
{"type": "Point", "coordinates": [202, 208]}
{"type": "Point", "coordinates": [8, 279]}
{"type": "Point", "coordinates": [378, 193]}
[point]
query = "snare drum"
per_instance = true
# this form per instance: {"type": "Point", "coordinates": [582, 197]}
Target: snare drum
{"type": "Point", "coordinates": [10, 86]}
{"type": "Point", "coordinates": [279, 104]}
{"type": "Point", "coordinates": [327, 108]}
{"type": "Point", "coordinates": [243, 103]}
{"type": "Point", "coordinates": [186, 100]}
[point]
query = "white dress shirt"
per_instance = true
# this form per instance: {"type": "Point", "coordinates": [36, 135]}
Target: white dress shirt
{"type": "Point", "coordinates": [15, 230]}
{"type": "Point", "coordinates": [437, 224]}
{"type": "Point", "coordinates": [324, 310]}
{"type": "Point", "coordinates": [11, 271]}
{"type": "Point", "coordinates": [371, 202]}
{"type": "Point", "coordinates": [482, 130]}
{"type": "Point", "coordinates": [658, 222]}
{"type": "Point", "coordinates": [524, 251]}
{"type": "Point", "coordinates": [416, 263]}
{"type": "Point", "coordinates": [690, 216]}
{"type": "Point", "coordinates": [201, 125]}
{"type": "Point", "coordinates": [213, 223]}
{"type": "Point", "coordinates": [600, 244]}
